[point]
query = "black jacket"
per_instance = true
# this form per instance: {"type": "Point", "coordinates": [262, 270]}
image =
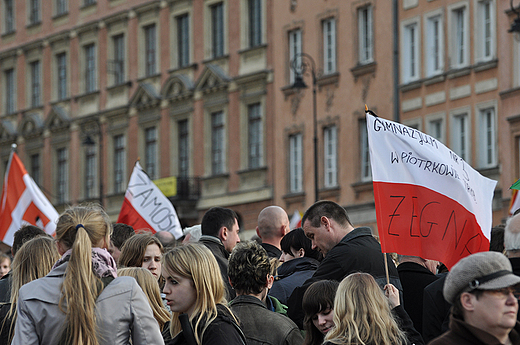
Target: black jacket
{"type": "Point", "coordinates": [220, 253]}
{"type": "Point", "coordinates": [414, 278]}
{"type": "Point", "coordinates": [292, 274]}
{"type": "Point", "coordinates": [5, 288]}
{"type": "Point", "coordinates": [436, 310]}
{"type": "Point", "coordinates": [358, 251]}
{"type": "Point", "coordinates": [271, 250]}
{"type": "Point", "coordinates": [262, 326]}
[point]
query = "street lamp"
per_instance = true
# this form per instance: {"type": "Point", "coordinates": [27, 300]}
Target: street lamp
{"type": "Point", "coordinates": [301, 64]}
{"type": "Point", "coordinates": [515, 27]}
{"type": "Point", "coordinates": [88, 141]}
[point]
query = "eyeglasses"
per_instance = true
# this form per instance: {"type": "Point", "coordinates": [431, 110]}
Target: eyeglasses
{"type": "Point", "coordinates": [504, 292]}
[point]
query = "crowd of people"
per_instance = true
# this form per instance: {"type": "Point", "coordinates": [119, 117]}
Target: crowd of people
{"type": "Point", "coordinates": [327, 282]}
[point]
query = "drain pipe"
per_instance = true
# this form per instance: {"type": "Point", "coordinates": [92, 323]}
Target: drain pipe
{"type": "Point", "coordinates": [396, 61]}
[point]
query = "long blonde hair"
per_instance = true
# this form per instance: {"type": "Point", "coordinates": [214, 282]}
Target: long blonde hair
{"type": "Point", "coordinates": [148, 283]}
{"type": "Point", "coordinates": [362, 314]}
{"type": "Point", "coordinates": [32, 261]}
{"type": "Point", "coordinates": [195, 261]}
{"type": "Point", "coordinates": [80, 228]}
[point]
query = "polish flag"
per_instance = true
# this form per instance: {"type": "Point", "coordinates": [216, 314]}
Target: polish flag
{"type": "Point", "coordinates": [23, 203]}
{"type": "Point", "coordinates": [429, 201]}
{"type": "Point", "coordinates": [146, 207]}
{"type": "Point", "coordinates": [296, 220]}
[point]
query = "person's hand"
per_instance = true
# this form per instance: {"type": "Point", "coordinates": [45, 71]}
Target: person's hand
{"type": "Point", "coordinates": [392, 293]}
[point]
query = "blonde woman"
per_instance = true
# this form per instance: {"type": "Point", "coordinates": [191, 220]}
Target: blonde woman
{"type": "Point", "coordinates": [194, 287]}
{"type": "Point", "coordinates": [33, 260]}
{"type": "Point", "coordinates": [148, 283]}
{"type": "Point", "coordinates": [363, 315]}
{"type": "Point", "coordinates": [81, 300]}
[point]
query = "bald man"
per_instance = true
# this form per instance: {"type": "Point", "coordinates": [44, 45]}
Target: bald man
{"type": "Point", "coordinates": [273, 224]}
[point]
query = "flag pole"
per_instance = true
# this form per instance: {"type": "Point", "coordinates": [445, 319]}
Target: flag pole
{"type": "Point", "coordinates": [386, 269]}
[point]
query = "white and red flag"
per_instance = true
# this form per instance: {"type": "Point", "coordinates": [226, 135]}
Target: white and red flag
{"type": "Point", "coordinates": [23, 203]}
{"type": "Point", "coordinates": [429, 201]}
{"type": "Point", "coordinates": [296, 220]}
{"type": "Point", "coordinates": [146, 207]}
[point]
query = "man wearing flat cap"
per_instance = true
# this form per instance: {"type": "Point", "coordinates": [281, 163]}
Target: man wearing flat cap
{"type": "Point", "coordinates": [480, 287]}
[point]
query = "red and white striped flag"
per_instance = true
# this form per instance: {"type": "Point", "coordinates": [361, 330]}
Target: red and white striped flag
{"type": "Point", "coordinates": [146, 207]}
{"type": "Point", "coordinates": [429, 201]}
{"type": "Point", "coordinates": [23, 203]}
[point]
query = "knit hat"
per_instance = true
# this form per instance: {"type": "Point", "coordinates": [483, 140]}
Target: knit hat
{"type": "Point", "coordinates": [482, 271]}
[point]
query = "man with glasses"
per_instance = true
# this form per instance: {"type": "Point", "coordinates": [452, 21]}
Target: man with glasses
{"type": "Point", "coordinates": [481, 288]}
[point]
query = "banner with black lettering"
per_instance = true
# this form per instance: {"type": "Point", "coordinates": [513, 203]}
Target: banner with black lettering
{"type": "Point", "coordinates": [146, 207]}
{"type": "Point", "coordinates": [429, 201]}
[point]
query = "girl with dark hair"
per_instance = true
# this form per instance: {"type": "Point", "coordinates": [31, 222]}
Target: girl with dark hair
{"type": "Point", "coordinates": [318, 303]}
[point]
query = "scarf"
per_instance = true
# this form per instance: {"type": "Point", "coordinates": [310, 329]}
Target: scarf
{"type": "Point", "coordinates": [103, 264]}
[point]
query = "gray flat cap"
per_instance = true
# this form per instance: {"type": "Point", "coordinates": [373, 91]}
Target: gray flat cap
{"type": "Point", "coordinates": [482, 271]}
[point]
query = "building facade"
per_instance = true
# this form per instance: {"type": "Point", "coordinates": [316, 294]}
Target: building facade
{"type": "Point", "coordinates": [89, 87]}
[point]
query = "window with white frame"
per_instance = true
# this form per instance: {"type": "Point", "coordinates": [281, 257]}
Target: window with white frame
{"type": "Point", "coordinates": [434, 45]}
{"type": "Point", "coordinates": [460, 135]}
{"type": "Point", "coordinates": [217, 30]}
{"type": "Point", "coordinates": [35, 83]}
{"type": "Point", "coordinates": [330, 145]}
{"type": "Point", "coordinates": [485, 27]}
{"type": "Point", "coordinates": [118, 42]}
{"type": "Point", "coordinates": [90, 171]}
{"type": "Point", "coordinates": [36, 170]}
{"type": "Point", "coordinates": [295, 48]}
{"type": "Point", "coordinates": [8, 16]}
{"type": "Point", "coordinates": [217, 143]}
{"type": "Point", "coordinates": [295, 163]}
{"type": "Point", "coordinates": [183, 40]}
{"type": "Point", "coordinates": [255, 22]}
{"type": "Point", "coordinates": [410, 52]}
{"type": "Point", "coordinates": [62, 178]}
{"type": "Point", "coordinates": [487, 142]}
{"type": "Point", "coordinates": [366, 170]}
{"type": "Point", "coordinates": [365, 33]}
{"type": "Point", "coordinates": [150, 44]}
{"type": "Point", "coordinates": [435, 128]}
{"type": "Point", "coordinates": [61, 7]}
{"type": "Point", "coordinates": [184, 150]}
{"type": "Point", "coordinates": [150, 135]}
{"type": "Point", "coordinates": [255, 136]}
{"type": "Point", "coordinates": [61, 69]}
{"type": "Point", "coordinates": [10, 92]}
{"type": "Point", "coordinates": [119, 162]}
{"type": "Point", "coordinates": [90, 68]}
{"type": "Point", "coordinates": [459, 37]}
{"type": "Point", "coordinates": [329, 45]}
{"type": "Point", "coordinates": [34, 12]}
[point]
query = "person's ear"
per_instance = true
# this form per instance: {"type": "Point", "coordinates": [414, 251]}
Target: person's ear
{"type": "Point", "coordinates": [258, 232]}
{"type": "Point", "coordinates": [61, 248]}
{"type": "Point", "coordinates": [230, 282]}
{"type": "Point", "coordinates": [467, 301]}
{"type": "Point", "coordinates": [301, 252]}
{"type": "Point", "coordinates": [223, 233]}
{"type": "Point", "coordinates": [270, 281]}
{"type": "Point", "coordinates": [325, 222]}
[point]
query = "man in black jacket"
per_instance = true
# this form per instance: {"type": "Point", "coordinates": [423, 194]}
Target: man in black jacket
{"type": "Point", "coordinates": [346, 250]}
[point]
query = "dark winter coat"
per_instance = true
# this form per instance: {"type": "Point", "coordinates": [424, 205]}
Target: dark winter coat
{"type": "Point", "coordinates": [220, 253]}
{"type": "Point", "coordinates": [292, 274]}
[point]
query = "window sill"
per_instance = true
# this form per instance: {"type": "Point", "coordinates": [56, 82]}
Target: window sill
{"type": "Point", "coordinates": [214, 177]}
{"type": "Point", "coordinates": [216, 59]}
{"type": "Point", "coordinates": [489, 171]}
{"type": "Point", "coordinates": [485, 65]}
{"type": "Point", "coordinates": [84, 6]}
{"type": "Point", "coordinates": [60, 15]}
{"type": "Point", "coordinates": [460, 72]}
{"type": "Point", "coordinates": [33, 108]}
{"type": "Point", "coordinates": [329, 192]}
{"type": "Point", "coordinates": [118, 86]}
{"type": "Point", "coordinates": [510, 93]}
{"type": "Point", "coordinates": [148, 77]}
{"type": "Point", "coordinates": [181, 69]}
{"type": "Point", "coordinates": [362, 69]}
{"type": "Point", "coordinates": [327, 79]}
{"type": "Point", "coordinates": [362, 186]}
{"type": "Point", "coordinates": [34, 24]}
{"type": "Point", "coordinates": [252, 170]}
{"type": "Point", "coordinates": [8, 34]}
{"type": "Point", "coordinates": [58, 101]}
{"type": "Point", "coordinates": [86, 94]}
{"type": "Point", "coordinates": [412, 85]}
{"type": "Point", "coordinates": [252, 49]}
{"type": "Point", "coordinates": [434, 79]}
{"type": "Point", "coordinates": [292, 198]}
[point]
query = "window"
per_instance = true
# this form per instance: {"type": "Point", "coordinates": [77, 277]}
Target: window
{"type": "Point", "coordinates": [434, 43]}
{"type": "Point", "coordinates": [150, 50]}
{"type": "Point", "coordinates": [90, 68]}
{"type": "Point", "coordinates": [119, 163]}
{"type": "Point", "coordinates": [459, 37]}
{"type": "Point", "coordinates": [61, 67]}
{"type": "Point", "coordinates": [365, 35]}
{"type": "Point", "coordinates": [410, 53]}
{"type": "Point", "coordinates": [10, 93]}
{"type": "Point", "coordinates": [61, 176]}
{"type": "Point", "coordinates": [366, 170]}
{"type": "Point", "coordinates": [487, 142]}
{"type": "Point", "coordinates": [61, 7]}
{"type": "Point", "coordinates": [329, 45]}
{"type": "Point", "coordinates": [34, 11]}
{"type": "Point", "coordinates": [485, 30]}
{"type": "Point", "coordinates": [119, 59]}
{"type": "Point", "coordinates": [36, 168]}
{"type": "Point", "coordinates": [460, 136]}
{"type": "Point", "coordinates": [184, 153]}
{"type": "Point", "coordinates": [151, 152]}
{"type": "Point", "coordinates": [330, 145]}
{"type": "Point", "coordinates": [183, 40]}
{"type": "Point", "coordinates": [255, 23]}
{"type": "Point", "coordinates": [295, 163]}
{"type": "Point", "coordinates": [90, 171]}
{"type": "Point", "coordinates": [217, 143]}
{"type": "Point", "coordinates": [435, 129]}
{"type": "Point", "coordinates": [35, 84]}
{"type": "Point", "coordinates": [295, 48]}
{"type": "Point", "coordinates": [255, 135]}
{"type": "Point", "coordinates": [89, 2]}
{"type": "Point", "coordinates": [9, 16]}
{"type": "Point", "coordinates": [217, 30]}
